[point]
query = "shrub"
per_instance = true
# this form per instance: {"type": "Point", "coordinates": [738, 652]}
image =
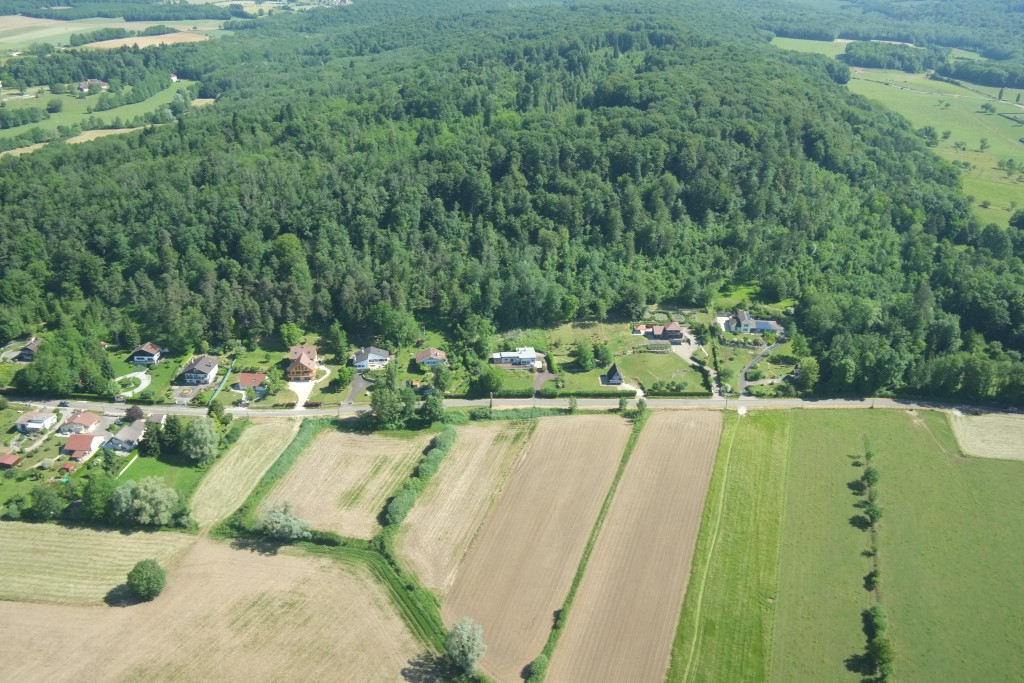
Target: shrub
{"type": "Point", "coordinates": [400, 505]}
{"type": "Point", "coordinates": [147, 579]}
{"type": "Point", "coordinates": [481, 413]}
{"type": "Point", "coordinates": [538, 669]}
{"type": "Point", "coordinates": [279, 521]}
{"type": "Point", "coordinates": [871, 580]}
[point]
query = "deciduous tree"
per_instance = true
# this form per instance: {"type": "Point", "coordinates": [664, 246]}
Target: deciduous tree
{"type": "Point", "coordinates": [147, 579]}
{"type": "Point", "coordinates": [465, 645]}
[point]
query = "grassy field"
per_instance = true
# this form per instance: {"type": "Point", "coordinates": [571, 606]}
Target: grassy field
{"type": "Point", "coordinates": [821, 47]}
{"type": "Point", "coordinates": [17, 32]}
{"type": "Point", "coordinates": [179, 472]}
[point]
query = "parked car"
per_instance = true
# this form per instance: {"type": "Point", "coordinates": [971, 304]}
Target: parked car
{"type": "Point", "coordinates": [119, 399]}
{"type": "Point", "coordinates": [65, 404]}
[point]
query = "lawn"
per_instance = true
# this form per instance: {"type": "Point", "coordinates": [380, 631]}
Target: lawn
{"type": "Point", "coordinates": [179, 472]}
{"type": "Point", "coordinates": [648, 368]}
{"type": "Point", "coordinates": [820, 47]}
{"type": "Point", "coordinates": [732, 360]}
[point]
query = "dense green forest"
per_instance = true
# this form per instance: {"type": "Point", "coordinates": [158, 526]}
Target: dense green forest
{"type": "Point", "coordinates": [490, 168]}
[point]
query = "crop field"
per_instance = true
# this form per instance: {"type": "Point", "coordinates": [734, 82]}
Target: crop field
{"type": "Point", "coordinates": [624, 618]}
{"type": "Point", "coordinates": [237, 472]}
{"type": "Point", "coordinates": [343, 480]}
{"type": "Point", "coordinates": [18, 32]}
{"type": "Point", "coordinates": [228, 615]}
{"type": "Point", "coordinates": [50, 563]}
{"type": "Point", "coordinates": [147, 41]}
{"type": "Point", "coordinates": [91, 135]}
{"type": "Point", "coordinates": [449, 513]}
{"type": "Point", "coordinates": [990, 436]}
{"type": "Point", "coordinates": [521, 565]}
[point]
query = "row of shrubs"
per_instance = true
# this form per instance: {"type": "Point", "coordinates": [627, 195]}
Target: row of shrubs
{"type": "Point", "coordinates": [548, 391]}
{"type": "Point", "coordinates": [406, 497]}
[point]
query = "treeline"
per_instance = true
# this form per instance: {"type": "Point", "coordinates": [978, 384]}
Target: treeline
{"type": "Point", "coordinates": [142, 90]}
{"type": "Point", "coordinates": [124, 66]}
{"type": "Point", "coordinates": [10, 118]}
{"type": "Point", "coordinates": [1009, 74]}
{"type": "Point", "coordinates": [877, 55]}
{"type": "Point", "coordinates": [137, 10]}
{"type": "Point", "coordinates": [77, 39]}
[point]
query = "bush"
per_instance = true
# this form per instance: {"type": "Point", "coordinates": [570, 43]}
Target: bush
{"type": "Point", "coordinates": [538, 669]}
{"type": "Point", "coordinates": [400, 505]}
{"type": "Point", "coordinates": [481, 413]}
{"type": "Point", "coordinates": [147, 579]}
{"type": "Point", "coordinates": [279, 521]}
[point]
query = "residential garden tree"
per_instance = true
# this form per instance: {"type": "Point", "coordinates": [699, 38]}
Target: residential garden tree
{"type": "Point", "coordinates": [279, 521]}
{"type": "Point", "coordinates": [807, 374]}
{"type": "Point", "coordinates": [216, 411]}
{"type": "Point", "coordinates": [172, 434]}
{"type": "Point", "coordinates": [387, 407]}
{"type": "Point", "coordinates": [46, 502]}
{"type": "Point", "coordinates": [585, 355]}
{"type": "Point", "coordinates": [97, 495]}
{"type": "Point", "coordinates": [149, 502]}
{"type": "Point", "coordinates": [623, 404]}
{"type": "Point", "coordinates": [151, 446]}
{"type": "Point", "coordinates": [291, 334]}
{"type": "Point", "coordinates": [147, 579]}
{"type": "Point", "coordinates": [201, 440]}
{"type": "Point", "coordinates": [442, 377]}
{"type": "Point", "coordinates": [338, 339]}
{"type": "Point", "coordinates": [490, 379]}
{"type": "Point", "coordinates": [133, 413]}
{"type": "Point", "coordinates": [465, 645]}
{"type": "Point", "coordinates": [433, 409]}
{"type": "Point", "coordinates": [604, 354]}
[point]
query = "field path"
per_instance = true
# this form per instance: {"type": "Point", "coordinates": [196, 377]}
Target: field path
{"type": "Point", "coordinates": [234, 475]}
{"type": "Point", "coordinates": [623, 621]}
{"type": "Point", "coordinates": [518, 572]}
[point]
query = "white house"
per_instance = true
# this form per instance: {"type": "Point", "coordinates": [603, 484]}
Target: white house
{"type": "Point", "coordinates": [200, 370]}
{"type": "Point", "coordinates": [35, 421]}
{"type": "Point", "coordinates": [128, 438]}
{"type": "Point", "coordinates": [147, 354]}
{"type": "Point", "coordinates": [524, 355]}
{"type": "Point", "coordinates": [431, 358]}
{"type": "Point", "coordinates": [370, 358]}
{"type": "Point", "coordinates": [744, 323]}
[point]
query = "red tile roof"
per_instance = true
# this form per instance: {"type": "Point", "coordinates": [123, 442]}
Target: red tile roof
{"type": "Point", "coordinates": [83, 417]}
{"type": "Point", "coordinates": [80, 442]}
{"type": "Point", "coordinates": [10, 460]}
{"type": "Point", "coordinates": [251, 379]}
{"type": "Point", "coordinates": [431, 353]}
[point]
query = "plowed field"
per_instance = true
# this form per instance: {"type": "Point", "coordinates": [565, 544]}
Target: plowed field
{"type": "Point", "coordinates": [623, 620]}
{"type": "Point", "coordinates": [226, 615]}
{"type": "Point", "coordinates": [519, 570]}
{"type": "Point", "coordinates": [343, 480]}
{"type": "Point", "coordinates": [439, 530]}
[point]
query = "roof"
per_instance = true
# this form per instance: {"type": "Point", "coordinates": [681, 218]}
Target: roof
{"type": "Point", "coordinates": [431, 353]}
{"type": "Point", "coordinates": [305, 360]}
{"type": "Point", "coordinates": [203, 364]}
{"type": "Point", "coordinates": [296, 351]}
{"type": "Point", "coordinates": [131, 432]}
{"type": "Point", "coordinates": [147, 349]}
{"type": "Point", "coordinates": [673, 327]}
{"type": "Point", "coordinates": [33, 416]}
{"type": "Point", "coordinates": [365, 352]}
{"type": "Point", "coordinates": [744, 317]}
{"type": "Point", "coordinates": [251, 379]}
{"type": "Point", "coordinates": [10, 459]}
{"type": "Point", "coordinates": [32, 345]}
{"type": "Point", "coordinates": [70, 467]}
{"type": "Point", "coordinates": [614, 370]}
{"type": "Point", "coordinates": [659, 330]}
{"type": "Point", "coordinates": [83, 417]}
{"type": "Point", "coordinates": [156, 418]}
{"type": "Point", "coordinates": [80, 442]}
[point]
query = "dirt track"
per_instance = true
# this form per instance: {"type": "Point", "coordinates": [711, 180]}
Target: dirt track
{"type": "Point", "coordinates": [519, 570]}
{"type": "Point", "coordinates": [623, 621]}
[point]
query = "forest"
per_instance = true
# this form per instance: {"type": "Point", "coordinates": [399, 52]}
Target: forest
{"type": "Point", "coordinates": [490, 168]}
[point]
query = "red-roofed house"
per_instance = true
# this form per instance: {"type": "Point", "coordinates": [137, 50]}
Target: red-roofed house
{"type": "Point", "coordinates": [80, 421]}
{"type": "Point", "coordinates": [68, 467]}
{"type": "Point", "coordinates": [10, 460]}
{"type": "Point", "coordinates": [81, 446]}
{"type": "Point", "coordinates": [251, 380]}
{"type": "Point", "coordinates": [432, 357]}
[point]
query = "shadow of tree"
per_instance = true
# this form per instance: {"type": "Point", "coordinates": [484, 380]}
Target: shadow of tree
{"type": "Point", "coordinates": [861, 522]}
{"type": "Point", "coordinates": [860, 664]}
{"type": "Point", "coordinates": [121, 596]}
{"type": "Point", "coordinates": [428, 667]}
{"type": "Point", "coordinates": [256, 545]}
{"type": "Point", "coordinates": [857, 487]}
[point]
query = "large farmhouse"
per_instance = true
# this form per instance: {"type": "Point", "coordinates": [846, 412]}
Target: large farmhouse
{"type": "Point", "coordinates": [302, 363]}
{"type": "Point", "coordinates": [200, 370]}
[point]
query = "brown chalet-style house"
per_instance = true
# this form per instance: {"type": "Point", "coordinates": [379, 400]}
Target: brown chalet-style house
{"type": "Point", "coordinates": [147, 354]}
{"type": "Point", "coordinates": [614, 376]}
{"type": "Point", "coordinates": [672, 331]}
{"type": "Point", "coordinates": [431, 358]}
{"type": "Point", "coordinates": [251, 380]}
{"type": "Point", "coordinates": [81, 447]}
{"type": "Point", "coordinates": [79, 422]}
{"type": "Point", "coordinates": [200, 370]}
{"type": "Point", "coordinates": [27, 354]}
{"type": "Point", "coordinates": [302, 363]}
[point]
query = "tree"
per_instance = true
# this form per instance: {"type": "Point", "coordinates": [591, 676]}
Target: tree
{"type": "Point", "coordinates": [3, 403]}
{"type": "Point", "coordinates": [291, 334]}
{"type": "Point", "coordinates": [279, 521]}
{"type": "Point", "coordinates": [881, 652]}
{"type": "Point", "coordinates": [147, 501]}
{"type": "Point", "coordinates": [151, 446]}
{"type": "Point", "coordinates": [641, 407]}
{"type": "Point", "coordinates": [133, 413]}
{"type": "Point", "coordinates": [988, 108]}
{"type": "Point", "coordinates": [585, 355]}
{"type": "Point", "coordinates": [442, 377]}
{"type": "Point", "coordinates": [490, 379]}
{"type": "Point", "coordinates": [216, 412]}
{"type": "Point", "coordinates": [387, 407]}
{"type": "Point", "coordinates": [874, 513]}
{"type": "Point", "coordinates": [870, 476]}
{"type": "Point", "coordinates": [97, 495]}
{"type": "Point", "coordinates": [172, 434]}
{"type": "Point", "coordinates": [604, 354]}
{"type": "Point", "coordinates": [201, 440]}
{"type": "Point", "coordinates": [808, 374]}
{"type": "Point", "coordinates": [800, 348]}
{"type": "Point", "coordinates": [338, 340]}
{"type": "Point", "coordinates": [433, 409]}
{"type": "Point", "coordinates": [623, 404]}
{"type": "Point", "coordinates": [983, 144]}
{"type": "Point", "coordinates": [55, 106]}
{"type": "Point", "coordinates": [465, 645]}
{"type": "Point", "coordinates": [573, 404]}
{"type": "Point", "coordinates": [147, 579]}
{"type": "Point", "coordinates": [46, 502]}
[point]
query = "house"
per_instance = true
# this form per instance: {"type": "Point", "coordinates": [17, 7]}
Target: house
{"type": "Point", "coordinates": [10, 460]}
{"type": "Point", "coordinates": [34, 421]}
{"type": "Point", "coordinates": [302, 365]}
{"type": "Point", "coordinates": [370, 358]}
{"type": "Point", "coordinates": [200, 370]}
{"type": "Point", "coordinates": [431, 358]}
{"type": "Point", "coordinates": [614, 376]}
{"type": "Point", "coordinates": [147, 354]}
{"type": "Point", "coordinates": [85, 85]}
{"type": "Point", "coordinates": [27, 353]}
{"type": "Point", "coordinates": [174, 78]}
{"type": "Point", "coordinates": [156, 419]}
{"type": "Point", "coordinates": [672, 330]}
{"type": "Point", "coordinates": [743, 323]}
{"type": "Point", "coordinates": [80, 421]}
{"type": "Point", "coordinates": [80, 447]}
{"type": "Point", "coordinates": [524, 355]}
{"type": "Point", "coordinates": [128, 438]}
{"type": "Point", "coordinates": [640, 329]}
{"type": "Point", "coordinates": [251, 380]}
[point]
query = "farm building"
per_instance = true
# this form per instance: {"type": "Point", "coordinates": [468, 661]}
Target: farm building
{"type": "Point", "coordinates": [524, 355]}
{"type": "Point", "coordinates": [81, 447]}
{"type": "Point", "coordinates": [370, 358]}
{"type": "Point", "coordinates": [302, 365]}
{"type": "Point", "coordinates": [614, 376]}
{"type": "Point", "coordinates": [432, 357]}
{"type": "Point", "coordinates": [128, 438]}
{"type": "Point", "coordinates": [147, 354]}
{"type": "Point", "coordinates": [10, 460]}
{"type": "Point", "coordinates": [68, 467]}
{"type": "Point", "coordinates": [35, 421]}
{"type": "Point", "coordinates": [200, 370]}
{"type": "Point", "coordinates": [80, 421]}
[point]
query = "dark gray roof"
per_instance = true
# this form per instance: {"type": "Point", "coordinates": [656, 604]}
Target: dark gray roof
{"type": "Point", "coordinates": [203, 364]}
{"type": "Point", "coordinates": [365, 352]}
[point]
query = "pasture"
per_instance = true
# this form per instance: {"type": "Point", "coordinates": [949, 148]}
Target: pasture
{"type": "Point", "coordinates": [51, 563]}
{"type": "Point", "coordinates": [519, 569]}
{"type": "Point", "coordinates": [18, 32]}
{"type": "Point", "coordinates": [342, 481]}
{"type": "Point", "coordinates": [990, 436]}
{"type": "Point", "coordinates": [439, 530]}
{"type": "Point", "coordinates": [225, 615]}
{"type": "Point", "coordinates": [236, 473]}
{"type": "Point", "coordinates": [624, 617]}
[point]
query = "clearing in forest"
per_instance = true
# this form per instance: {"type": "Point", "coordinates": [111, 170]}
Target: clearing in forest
{"type": "Point", "coordinates": [234, 475]}
{"type": "Point", "coordinates": [147, 41]}
{"type": "Point", "coordinates": [342, 481]}
{"type": "Point", "coordinates": [51, 563]}
{"type": "Point", "coordinates": [440, 528]}
{"type": "Point", "coordinates": [519, 569]}
{"type": "Point", "coordinates": [990, 436]}
{"type": "Point", "coordinates": [226, 615]}
{"type": "Point", "coordinates": [624, 617]}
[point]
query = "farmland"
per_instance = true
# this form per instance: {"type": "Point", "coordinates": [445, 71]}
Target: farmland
{"type": "Point", "coordinates": [231, 479]}
{"type": "Point", "coordinates": [293, 618]}
{"type": "Point", "coordinates": [624, 617]}
{"type": "Point", "coordinates": [519, 569]}
{"type": "Point", "coordinates": [343, 480]}
{"type": "Point", "coordinates": [19, 32]}
{"type": "Point", "coordinates": [440, 528]}
{"type": "Point", "coordinates": [45, 562]}
{"type": "Point", "coordinates": [147, 41]}
{"type": "Point", "coordinates": [990, 436]}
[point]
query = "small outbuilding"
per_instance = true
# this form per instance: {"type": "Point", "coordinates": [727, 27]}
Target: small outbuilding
{"type": "Point", "coordinates": [614, 376]}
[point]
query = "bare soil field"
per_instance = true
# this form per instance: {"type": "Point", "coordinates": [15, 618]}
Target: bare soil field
{"type": "Point", "coordinates": [235, 474]}
{"type": "Point", "coordinates": [440, 528]}
{"type": "Point", "coordinates": [519, 569]}
{"type": "Point", "coordinates": [226, 615]}
{"type": "Point", "coordinates": [96, 134]}
{"type": "Point", "coordinates": [990, 436]}
{"type": "Point", "coordinates": [342, 481]}
{"type": "Point", "coordinates": [147, 41]}
{"type": "Point", "coordinates": [50, 563]}
{"type": "Point", "coordinates": [623, 620]}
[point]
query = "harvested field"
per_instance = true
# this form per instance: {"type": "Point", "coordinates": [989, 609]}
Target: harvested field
{"type": "Point", "coordinates": [95, 134]}
{"type": "Point", "coordinates": [203, 101]}
{"type": "Point", "coordinates": [235, 475]}
{"type": "Point", "coordinates": [342, 481]}
{"type": "Point", "coordinates": [440, 528]}
{"type": "Point", "coordinates": [226, 615]}
{"type": "Point", "coordinates": [50, 563]}
{"type": "Point", "coordinates": [623, 620]}
{"type": "Point", "coordinates": [147, 41]}
{"type": "Point", "coordinates": [23, 150]}
{"type": "Point", "coordinates": [990, 436]}
{"type": "Point", "coordinates": [520, 567]}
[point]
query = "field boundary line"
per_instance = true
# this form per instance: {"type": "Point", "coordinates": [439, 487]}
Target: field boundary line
{"type": "Point", "coordinates": [770, 650]}
{"type": "Point", "coordinates": [698, 630]}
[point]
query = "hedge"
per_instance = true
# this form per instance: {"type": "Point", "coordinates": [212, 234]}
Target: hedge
{"type": "Point", "coordinates": [554, 392]}
{"type": "Point", "coordinates": [654, 393]}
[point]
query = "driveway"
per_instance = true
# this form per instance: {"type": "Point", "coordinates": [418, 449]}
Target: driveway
{"type": "Point", "coordinates": [144, 380]}
{"type": "Point", "coordinates": [303, 390]}
{"type": "Point", "coordinates": [358, 386]}
{"type": "Point", "coordinates": [757, 359]}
